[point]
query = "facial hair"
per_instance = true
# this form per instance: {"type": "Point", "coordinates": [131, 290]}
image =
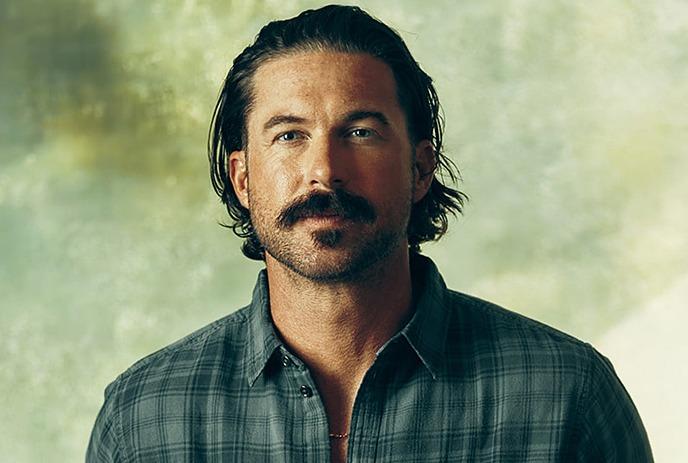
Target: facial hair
{"type": "Point", "coordinates": [354, 260]}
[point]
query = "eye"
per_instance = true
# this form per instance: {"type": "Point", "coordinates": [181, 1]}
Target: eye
{"type": "Point", "coordinates": [361, 133]}
{"type": "Point", "coordinates": [289, 136]}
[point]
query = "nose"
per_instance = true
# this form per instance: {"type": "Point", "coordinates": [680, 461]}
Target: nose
{"type": "Point", "coordinates": [326, 165]}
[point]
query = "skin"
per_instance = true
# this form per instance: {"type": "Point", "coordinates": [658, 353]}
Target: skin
{"type": "Point", "coordinates": [323, 121]}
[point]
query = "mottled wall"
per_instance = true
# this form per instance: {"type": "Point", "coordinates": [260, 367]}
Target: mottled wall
{"type": "Point", "coordinates": [568, 120]}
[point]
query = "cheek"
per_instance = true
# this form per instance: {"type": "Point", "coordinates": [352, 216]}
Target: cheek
{"type": "Point", "coordinates": [393, 179]}
{"type": "Point", "coordinates": [271, 183]}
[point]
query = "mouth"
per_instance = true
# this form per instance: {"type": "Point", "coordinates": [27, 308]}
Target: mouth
{"type": "Point", "coordinates": [325, 218]}
{"type": "Point", "coordinates": [327, 214]}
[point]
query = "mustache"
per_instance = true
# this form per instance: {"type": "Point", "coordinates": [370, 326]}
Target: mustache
{"type": "Point", "coordinates": [338, 202]}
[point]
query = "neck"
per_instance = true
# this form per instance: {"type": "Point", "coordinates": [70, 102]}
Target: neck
{"type": "Point", "coordinates": [337, 328]}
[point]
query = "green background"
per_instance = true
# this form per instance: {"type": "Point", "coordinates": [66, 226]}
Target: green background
{"type": "Point", "coordinates": [568, 120]}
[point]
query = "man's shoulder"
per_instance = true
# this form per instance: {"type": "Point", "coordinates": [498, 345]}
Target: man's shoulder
{"type": "Point", "coordinates": [160, 390]}
{"type": "Point", "coordinates": [219, 342]}
{"type": "Point", "coordinates": [524, 369]}
{"type": "Point", "coordinates": [483, 328]}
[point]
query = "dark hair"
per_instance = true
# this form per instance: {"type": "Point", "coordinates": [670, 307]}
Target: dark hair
{"type": "Point", "coordinates": [345, 29]}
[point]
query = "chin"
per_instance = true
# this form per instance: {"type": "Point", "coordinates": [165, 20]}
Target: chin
{"type": "Point", "coordinates": [332, 259]}
{"type": "Point", "coordinates": [332, 271]}
{"type": "Point", "coordinates": [327, 239]}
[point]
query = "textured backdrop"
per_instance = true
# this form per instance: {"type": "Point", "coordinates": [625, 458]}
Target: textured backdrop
{"type": "Point", "coordinates": [568, 120]}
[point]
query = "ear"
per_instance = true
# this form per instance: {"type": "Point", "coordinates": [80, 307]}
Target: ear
{"type": "Point", "coordinates": [423, 169]}
{"type": "Point", "coordinates": [238, 174]}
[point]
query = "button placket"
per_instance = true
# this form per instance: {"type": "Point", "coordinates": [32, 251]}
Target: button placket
{"type": "Point", "coordinates": [301, 384]}
{"type": "Point", "coordinates": [305, 390]}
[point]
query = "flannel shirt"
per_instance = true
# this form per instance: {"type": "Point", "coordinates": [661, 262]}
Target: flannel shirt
{"type": "Point", "coordinates": [464, 380]}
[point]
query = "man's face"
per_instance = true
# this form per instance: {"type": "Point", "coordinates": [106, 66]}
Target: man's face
{"type": "Point", "coordinates": [329, 174]}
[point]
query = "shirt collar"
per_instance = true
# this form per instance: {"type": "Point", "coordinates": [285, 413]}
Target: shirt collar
{"type": "Point", "coordinates": [262, 338]}
{"type": "Point", "coordinates": [426, 332]}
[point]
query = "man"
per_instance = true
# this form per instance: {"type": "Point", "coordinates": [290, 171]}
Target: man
{"type": "Point", "coordinates": [326, 148]}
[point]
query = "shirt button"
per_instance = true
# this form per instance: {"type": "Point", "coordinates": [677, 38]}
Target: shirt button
{"type": "Point", "coordinates": [306, 391]}
{"type": "Point", "coordinates": [286, 361]}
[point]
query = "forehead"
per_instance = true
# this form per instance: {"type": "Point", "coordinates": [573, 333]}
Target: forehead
{"type": "Point", "coordinates": [324, 83]}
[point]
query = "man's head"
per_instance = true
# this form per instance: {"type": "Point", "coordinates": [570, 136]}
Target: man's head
{"type": "Point", "coordinates": [333, 38]}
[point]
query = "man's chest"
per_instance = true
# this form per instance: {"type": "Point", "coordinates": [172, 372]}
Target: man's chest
{"type": "Point", "coordinates": [417, 419]}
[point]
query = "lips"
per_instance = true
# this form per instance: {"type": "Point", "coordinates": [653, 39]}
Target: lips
{"type": "Point", "coordinates": [327, 218]}
{"type": "Point", "coordinates": [323, 214]}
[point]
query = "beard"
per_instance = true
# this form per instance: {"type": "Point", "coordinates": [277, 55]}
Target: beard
{"type": "Point", "coordinates": [336, 254]}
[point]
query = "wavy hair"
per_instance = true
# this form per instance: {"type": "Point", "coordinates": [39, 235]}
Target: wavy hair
{"type": "Point", "coordinates": [346, 29]}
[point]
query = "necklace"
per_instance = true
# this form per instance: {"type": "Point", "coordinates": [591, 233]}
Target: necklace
{"type": "Point", "coordinates": [338, 436]}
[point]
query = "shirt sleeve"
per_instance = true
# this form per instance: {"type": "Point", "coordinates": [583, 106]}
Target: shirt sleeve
{"type": "Point", "coordinates": [104, 445]}
{"type": "Point", "coordinates": [610, 427]}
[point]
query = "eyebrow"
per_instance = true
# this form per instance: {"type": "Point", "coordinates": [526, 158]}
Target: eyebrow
{"type": "Point", "coordinates": [360, 115]}
{"type": "Point", "coordinates": [282, 119]}
{"type": "Point", "coordinates": [353, 116]}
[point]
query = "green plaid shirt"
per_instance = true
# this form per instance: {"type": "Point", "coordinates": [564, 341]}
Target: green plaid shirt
{"type": "Point", "coordinates": [464, 380]}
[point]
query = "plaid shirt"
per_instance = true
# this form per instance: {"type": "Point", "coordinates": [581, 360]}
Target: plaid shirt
{"type": "Point", "coordinates": [464, 380]}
